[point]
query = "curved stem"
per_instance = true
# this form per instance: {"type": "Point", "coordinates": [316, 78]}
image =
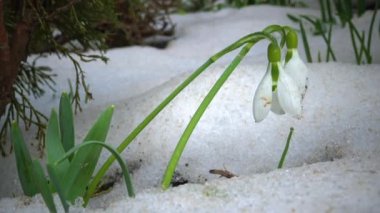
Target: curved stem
{"type": "Point", "coordinates": [198, 114]}
{"type": "Point", "coordinates": [116, 155]}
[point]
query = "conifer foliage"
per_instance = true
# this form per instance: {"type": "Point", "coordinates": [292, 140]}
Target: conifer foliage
{"type": "Point", "coordinates": [67, 28]}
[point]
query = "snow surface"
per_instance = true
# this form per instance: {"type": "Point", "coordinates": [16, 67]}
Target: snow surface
{"type": "Point", "coordinates": [333, 162]}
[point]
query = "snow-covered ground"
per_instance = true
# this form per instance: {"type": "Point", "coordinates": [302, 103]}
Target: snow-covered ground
{"type": "Point", "coordinates": [334, 157]}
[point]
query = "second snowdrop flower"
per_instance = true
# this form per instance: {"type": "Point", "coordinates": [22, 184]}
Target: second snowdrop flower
{"type": "Point", "coordinates": [294, 66]}
{"type": "Point", "coordinates": [277, 91]}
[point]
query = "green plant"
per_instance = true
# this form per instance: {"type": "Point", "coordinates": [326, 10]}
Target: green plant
{"type": "Point", "coordinates": [280, 78]}
{"type": "Point", "coordinates": [69, 167]}
{"type": "Point", "coordinates": [360, 42]}
{"type": "Point", "coordinates": [285, 152]}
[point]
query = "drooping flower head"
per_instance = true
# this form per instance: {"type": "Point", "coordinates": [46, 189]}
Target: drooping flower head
{"type": "Point", "coordinates": [294, 66]}
{"type": "Point", "coordinates": [277, 91]}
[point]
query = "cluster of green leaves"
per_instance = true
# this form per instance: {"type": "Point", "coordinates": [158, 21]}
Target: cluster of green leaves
{"type": "Point", "coordinates": [69, 167]}
{"type": "Point", "coordinates": [323, 26]}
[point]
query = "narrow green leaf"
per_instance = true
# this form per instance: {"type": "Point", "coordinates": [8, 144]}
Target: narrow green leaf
{"type": "Point", "coordinates": [23, 161]}
{"type": "Point", "coordinates": [285, 152]}
{"type": "Point", "coordinates": [198, 114]}
{"type": "Point", "coordinates": [83, 164]}
{"type": "Point", "coordinates": [323, 10]}
{"type": "Point", "coordinates": [123, 166]}
{"type": "Point", "coordinates": [42, 185]}
{"type": "Point", "coordinates": [293, 18]}
{"type": "Point", "coordinates": [57, 186]}
{"type": "Point", "coordinates": [330, 12]}
{"type": "Point", "coordinates": [66, 121]}
{"type": "Point", "coordinates": [305, 43]}
{"type": "Point", "coordinates": [310, 19]}
{"type": "Point", "coordinates": [54, 146]}
{"type": "Point", "coordinates": [369, 56]}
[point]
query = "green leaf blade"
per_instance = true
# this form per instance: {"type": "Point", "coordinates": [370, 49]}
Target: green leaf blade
{"type": "Point", "coordinates": [23, 161]}
{"type": "Point", "coordinates": [66, 122]}
{"type": "Point", "coordinates": [84, 161]}
{"type": "Point", "coordinates": [42, 185]}
{"type": "Point", "coordinates": [57, 186]}
{"type": "Point", "coordinates": [54, 147]}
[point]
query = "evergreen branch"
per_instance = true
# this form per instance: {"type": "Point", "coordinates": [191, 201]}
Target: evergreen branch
{"type": "Point", "coordinates": [62, 9]}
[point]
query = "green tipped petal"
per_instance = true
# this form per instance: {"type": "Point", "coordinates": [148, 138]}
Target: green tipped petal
{"type": "Point", "coordinates": [288, 95]}
{"type": "Point", "coordinates": [298, 71]}
{"type": "Point", "coordinates": [262, 100]}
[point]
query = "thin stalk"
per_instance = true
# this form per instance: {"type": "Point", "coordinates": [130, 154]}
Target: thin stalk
{"type": "Point", "coordinates": [285, 152]}
{"type": "Point", "coordinates": [323, 10]}
{"type": "Point", "coordinates": [329, 42]}
{"type": "Point", "coordinates": [363, 48]}
{"type": "Point", "coordinates": [329, 11]}
{"type": "Point", "coordinates": [354, 42]}
{"type": "Point", "coordinates": [369, 57]}
{"type": "Point", "coordinates": [362, 44]}
{"type": "Point", "coordinates": [318, 26]}
{"type": "Point", "coordinates": [305, 43]}
{"type": "Point", "coordinates": [198, 114]}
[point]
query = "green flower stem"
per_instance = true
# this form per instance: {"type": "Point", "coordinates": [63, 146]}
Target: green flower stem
{"type": "Point", "coordinates": [198, 114]}
{"type": "Point", "coordinates": [249, 38]}
{"type": "Point", "coordinates": [282, 160]}
{"type": "Point", "coordinates": [115, 154]}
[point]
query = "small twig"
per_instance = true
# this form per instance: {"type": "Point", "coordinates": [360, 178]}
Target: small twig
{"type": "Point", "coordinates": [222, 172]}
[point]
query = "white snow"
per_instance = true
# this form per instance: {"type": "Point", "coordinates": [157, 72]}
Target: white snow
{"type": "Point", "coordinates": [333, 161]}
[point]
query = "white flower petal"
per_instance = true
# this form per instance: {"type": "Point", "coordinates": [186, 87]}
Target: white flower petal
{"type": "Point", "coordinates": [298, 71]}
{"type": "Point", "coordinates": [288, 94]}
{"type": "Point", "coordinates": [263, 97]}
{"type": "Point", "coordinates": [276, 107]}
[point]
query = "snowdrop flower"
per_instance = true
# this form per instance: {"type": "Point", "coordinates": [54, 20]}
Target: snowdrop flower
{"type": "Point", "coordinates": [294, 66]}
{"type": "Point", "coordinates": [277, 91]}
